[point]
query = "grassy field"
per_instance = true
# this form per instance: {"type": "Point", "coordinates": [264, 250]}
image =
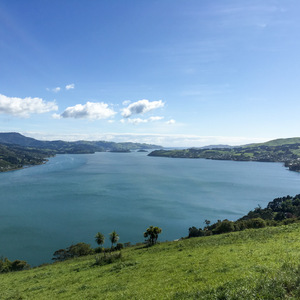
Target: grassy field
{"type": "Point", "coordinates": [252, 264]}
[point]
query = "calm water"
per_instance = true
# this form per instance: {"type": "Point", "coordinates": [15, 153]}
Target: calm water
{"type": "Point", "coordinates": [72, 197]}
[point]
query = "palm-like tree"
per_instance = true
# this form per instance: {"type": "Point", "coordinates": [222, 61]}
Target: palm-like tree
{"type": "Point", "coordinates": [114, 237]}
{"type": "Point", "coordinates": [99, 238]}
{"type": "Point", "coordinates": [152, 234]}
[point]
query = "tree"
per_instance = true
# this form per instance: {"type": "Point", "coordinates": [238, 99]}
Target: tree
{"type": "Point", "coordinates": [152, 234]}
{"type": "Point", "coordinates": [99, 237]}
{"type": "Point", "coordinates": [114, 237]}
{"type": "Point", "coordinates": [224, 227]}
{"type": "Point", "coordinates": [207, 222]}
{"type": "Point", "coordinates": [80, 249]}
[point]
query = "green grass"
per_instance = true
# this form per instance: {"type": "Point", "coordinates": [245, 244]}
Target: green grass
{"type": "Point", "coordinates": [252, 264]}
{"type": "Point", "coordinates": [278, 142]}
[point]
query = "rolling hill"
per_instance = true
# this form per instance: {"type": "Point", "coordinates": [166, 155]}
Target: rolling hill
{"type": "Point", "coordinates": [286, 151]}
{"type": "Point", "coordinates": [251, 264]}
{"type": "Point", "coordinates": [17, 151]}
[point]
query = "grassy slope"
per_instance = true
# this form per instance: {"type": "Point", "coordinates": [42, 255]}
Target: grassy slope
{"type": "Point", "coordinates": [277, 142]}
{"type": "Point", "coordinates": [195, 268]}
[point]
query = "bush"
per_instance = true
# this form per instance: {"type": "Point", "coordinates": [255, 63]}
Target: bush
{"type": "Point", "coordinates": [194, 232]}
{"type": "Point", "coordinates": [17, 265]}
{"type": "Point", "coordinates": [99, 250]}
{"type": "Point", "coordinates": [256, 223]}
{"type": "Point", "coordinates": [224, 227]}
{"type": "Point", "coordinates": [119, 246]}
{"type": "Point", "coordinates": [107, 258]}
{"type": "Point", "coordinates": [80, 249]}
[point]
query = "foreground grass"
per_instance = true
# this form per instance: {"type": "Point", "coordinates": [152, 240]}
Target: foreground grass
{"type": "Point", "coordinates": [252, 264]}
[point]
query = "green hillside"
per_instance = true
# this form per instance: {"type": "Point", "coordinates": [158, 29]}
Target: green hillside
{"type": "Point", "coordinates": [251, 264]}
{"type": "Point", "coordinates": [14, 157]}
{"type": "Point", "coordinates": [17, 151]}
{"type": "Point", "coordinates": [278, 142]}
{"type": "Point", "coordinates": [286, 151]}
{"type": "Point", "coordinates": [62, 147]}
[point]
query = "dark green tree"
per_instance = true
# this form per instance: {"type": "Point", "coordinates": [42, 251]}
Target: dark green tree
{"type": "Point", "coordinates": [152, 234]}
{"type": "Point", "coordinates": [114, 237]}
{"type": "Point", "coordinates": [99, 237]}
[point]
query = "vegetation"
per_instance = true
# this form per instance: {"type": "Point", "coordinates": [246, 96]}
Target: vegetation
{"type": "Point", "coordinates": [282, 150]}
{"type": "Point", "coordinates": [61, 147]}
{"type": "Point", "coordinates": [114, 237]}
{"type": "Point", "coordinates": [280, 211]}
{"type": "Point", "coordinates": [17, 151]}
{"type": "Point", "coordinates": [152, 234]}
{"type": "Point", "coordinates": [80, 249]}
{"type": "Point", "coordinates": [15, 157]}
{"type": "Point", "coordinates": [99, 238]}
{"type": "Point", "coordinates": [10, 266]}
{"type": "Point", "coordinates": [250, 264]}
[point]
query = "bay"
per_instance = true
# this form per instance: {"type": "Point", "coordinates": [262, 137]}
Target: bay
{"type": "Point", "coordinates": [72, 197]}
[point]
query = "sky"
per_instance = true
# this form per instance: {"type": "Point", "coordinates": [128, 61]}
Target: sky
{"type": "Point", "coordinates": [178, 73]}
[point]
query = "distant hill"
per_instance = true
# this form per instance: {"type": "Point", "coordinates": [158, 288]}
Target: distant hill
{"type": "Point", "coordinates": [216, 147]}
{"type": "Point", "coordinates": [277, 142]}
{"type": "Point", "coordinates": [17, 150]}
{"type": "Point", "coordinates": [280, 150]}
{"type": "Point", "coordinates": [59, 146]}
{"type": "Point", "coordinates": [14, 157]}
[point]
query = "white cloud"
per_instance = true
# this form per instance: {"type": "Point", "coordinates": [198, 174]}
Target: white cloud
{"type": "Point", "coordinates": [90, 110]}
{"type": "Point", "coordinates": [172, 121]}
{"type": "Point", "coordinates": [152, 119]}
{"type": "Point", "coordinates": [70, 86]}
{"type": "Point", "coordinates": [136, 121]}
{"type": "Point", "coordinates": [54, 90]}
{"type": "Point", "coordinates": [141, 107]}
{"type": "Point", "coordinates": [56, 116]}
{"type": "Point", "coordinates": [126, 102]}
{"type": "Point", "coordinates": [26, 106]}
{"type": "Point", "coordinates": [167, 140]}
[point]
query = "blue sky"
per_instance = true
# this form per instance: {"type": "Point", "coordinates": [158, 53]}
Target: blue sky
{"type": "Point", "coordinates": [175, 73]}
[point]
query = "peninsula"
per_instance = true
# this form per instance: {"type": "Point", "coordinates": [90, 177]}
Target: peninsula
{"type": "Point", "coordinates": [17, 150]}
{"type": "Point", "coordinates": [286, 151]}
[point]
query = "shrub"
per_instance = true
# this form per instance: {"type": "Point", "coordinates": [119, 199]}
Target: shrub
{"type": "Point", "coordinates": [8, 266]}
{"type": "Point", "coordinates": [99, 250]}
{"type": "Point", "coordinates": [107, 258]}
{"type": "Point", "coordinates": [119, 246]}
{"type": "Point", "coordinates": [256, 223]}
{"type": "Point", "coordinates": [224, 227]}
{"type": "Point", "coordinates": [19, 265]}
{"type": "Point", "coordinates": [79, 249]}
{"type": "Point", "coordinates": [194, 232]}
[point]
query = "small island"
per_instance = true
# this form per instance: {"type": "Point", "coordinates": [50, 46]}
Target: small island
{"type": "Point", "coordinates": [120, 151]}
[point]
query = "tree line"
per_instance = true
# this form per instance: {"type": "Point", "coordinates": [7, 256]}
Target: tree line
{"type": "Point", "coordinates": [280, 211]}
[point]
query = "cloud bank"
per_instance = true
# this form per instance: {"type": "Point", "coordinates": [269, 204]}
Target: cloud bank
{"type": "Point", "coordinates": [141, 107]}
{"type": "Point", "coordinates": [167, 140]}
{"type": "Point", "coordinates": [90, 110]}
{"type": "Point", "coordinates": [25, 107]}
{"type": "Point", "coordinates": [136, 121]}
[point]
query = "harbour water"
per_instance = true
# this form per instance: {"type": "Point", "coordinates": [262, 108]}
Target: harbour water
{"type": "Point", "coordinates": [72, 197]}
